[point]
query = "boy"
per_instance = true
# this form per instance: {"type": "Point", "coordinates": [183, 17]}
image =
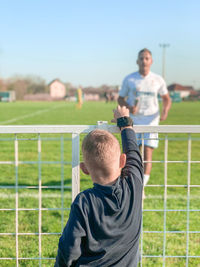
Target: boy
{"type": "Point", "coordinates": [105, 221]}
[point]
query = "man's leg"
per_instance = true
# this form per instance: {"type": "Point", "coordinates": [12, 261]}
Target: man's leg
{"type": "Point", "coordinates": [150, 142]}
{"type": "Point", "coordinates": [148, 152]}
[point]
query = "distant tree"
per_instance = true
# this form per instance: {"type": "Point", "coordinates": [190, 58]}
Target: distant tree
{"type": "Point", "coordinates": [35, 85]}
{"type": "Point", "coordinates": [26, 85]}
{"type": "Point", "coordinates": [19, 86]}
{"type": "Point", "coordinates": [3, 86]}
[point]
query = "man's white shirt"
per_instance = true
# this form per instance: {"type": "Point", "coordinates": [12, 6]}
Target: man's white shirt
{"type": "Point", "coordinates": [143, 92]}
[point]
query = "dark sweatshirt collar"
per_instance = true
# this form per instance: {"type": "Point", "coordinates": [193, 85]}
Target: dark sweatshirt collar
{"type": "Point", "coordinates": [107, 188]}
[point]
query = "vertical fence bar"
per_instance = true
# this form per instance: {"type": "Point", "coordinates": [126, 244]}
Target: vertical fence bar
{"type": "Point", "coordinates": [75, 165]}
{"type": "Point", "coordinates": [165, 197]}
{"type": "Point", "coordinates": [188, 199]}
{"type": "Point", "coordinates": [141, 236]}
{"type": "Point", "coordinates": [142, 136]}
{"type": "Point", "coordinates": [40, 199]}
{"type": "Point", "coordinates": [16, 199]}
{"type": "Point", "coordinates": [62, 180]}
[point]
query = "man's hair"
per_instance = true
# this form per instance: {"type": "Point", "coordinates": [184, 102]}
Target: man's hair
{"type": "Point", "coordinates": [144, 50]}
{"type": "Point", "coordinates": [100, 148]}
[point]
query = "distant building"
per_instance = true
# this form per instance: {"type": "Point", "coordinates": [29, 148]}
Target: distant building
{"type": "Point", "coordinates": [195, 95]}
{"type": "Point", "coordinates": [184, 91]}
{"type": "Point", "coordinates": [7, 96]}
{"type": "Point", "coordinates": [37, 97]}
{"type": "Point", "coordinates": [57, 89]}
{"type": "Point", "coordinates": [93, 94]}
{"type": "Point", "coordinates": [96, 94]}
{"type": "Point", "coordinates": [91, 97]}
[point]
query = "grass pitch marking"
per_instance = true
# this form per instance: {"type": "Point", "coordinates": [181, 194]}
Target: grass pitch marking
{"type": "Point", "coordinates": [30, 115]}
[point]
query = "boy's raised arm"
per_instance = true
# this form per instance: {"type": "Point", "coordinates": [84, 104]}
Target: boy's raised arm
{"type": "Point", "coordinates": [134, 163]}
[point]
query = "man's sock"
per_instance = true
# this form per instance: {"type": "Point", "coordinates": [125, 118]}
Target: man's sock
{"type": "Point", "coordinates": [146, 178]}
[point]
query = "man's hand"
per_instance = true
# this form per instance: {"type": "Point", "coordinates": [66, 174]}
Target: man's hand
{"type": "Point", "coordinates": [133, 109]}
{"type": "Point", "coordinates": [120, 112]}
{"type": "Point", "coordinates": [163, 115]}
{"type": "Point", "coordinates": [166, 106]}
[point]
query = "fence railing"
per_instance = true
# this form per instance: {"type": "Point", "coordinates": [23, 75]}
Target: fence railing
{"type": "Point", "coordinates": [157, 218]}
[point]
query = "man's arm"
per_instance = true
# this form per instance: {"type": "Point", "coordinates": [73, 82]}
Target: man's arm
{"type": "Point", "coordinates": [166, 106]}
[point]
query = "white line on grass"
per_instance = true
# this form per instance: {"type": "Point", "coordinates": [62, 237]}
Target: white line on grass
{"type": "Point", "coordinates": [30, 115]}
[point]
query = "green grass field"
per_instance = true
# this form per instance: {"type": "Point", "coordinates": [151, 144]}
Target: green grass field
{"type": "Point", "coordinates": [55, 170]}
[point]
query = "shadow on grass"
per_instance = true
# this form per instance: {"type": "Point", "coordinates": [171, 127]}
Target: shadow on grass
{"type": "Point", "coordinates": [67, 182]}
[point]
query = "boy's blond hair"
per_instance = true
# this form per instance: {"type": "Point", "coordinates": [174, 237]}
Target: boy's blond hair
{"type": "Point", "coordinates": [100, 150]}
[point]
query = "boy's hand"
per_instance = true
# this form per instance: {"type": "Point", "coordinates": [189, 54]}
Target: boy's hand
{"type": "Point", "coordinates": [120, 112]}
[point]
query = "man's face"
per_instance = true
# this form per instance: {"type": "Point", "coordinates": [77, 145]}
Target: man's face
{"type": "Point", "coordinates": [144, 62]}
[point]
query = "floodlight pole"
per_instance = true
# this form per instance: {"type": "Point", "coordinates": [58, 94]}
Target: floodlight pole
{"type": "Point", "coordinates": [163, 46]}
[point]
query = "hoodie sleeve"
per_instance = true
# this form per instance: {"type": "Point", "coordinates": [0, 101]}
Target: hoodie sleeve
{"type": "Point", "coordinates": [134, 163]}
{"type": "Point", "coordinates": [69, 247]}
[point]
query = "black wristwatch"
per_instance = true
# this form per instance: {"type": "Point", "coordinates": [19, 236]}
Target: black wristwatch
{"type": "Point", "coordinates": [124, 121]}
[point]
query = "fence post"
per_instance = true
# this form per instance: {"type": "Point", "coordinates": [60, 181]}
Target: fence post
{"type": "Point", "coordinates": [75, 165]}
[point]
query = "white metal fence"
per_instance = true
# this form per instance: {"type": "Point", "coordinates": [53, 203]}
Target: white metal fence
{"type": "Point", "coordinates": [157, 204]}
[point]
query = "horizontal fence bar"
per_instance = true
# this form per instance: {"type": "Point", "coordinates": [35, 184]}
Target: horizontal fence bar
{"type": "Point", "coordinates": [144, 210]}
{"type": "Point", "coordinates": [34, 187]}
{"type": "Point", "coordinates": [161, 185]}
{"type": "Point", "coordinates": [2, 234]}
{"type": "Point", "coordinates": [160, 256]}
{"type": "Point", "coordinates": [145, 256]}
{"type": "Point", "coordinates": [28, 258]}
{"type": "Point", "coordinates": [149, 232]}
{"type": "Point", "coordinates": [23, 129]}
{"type": "Point", "coordinates": [36, 162]}
{"type": "Point", "coordinates": [36, 209]}
{"type": "Point", "coordinates": [193, 138]}
{"type": "Point", "coordinates": [169, 210]}
{"type": "Point", "coordinates": [35, 139]}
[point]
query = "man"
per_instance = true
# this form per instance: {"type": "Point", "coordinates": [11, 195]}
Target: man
{"type": "Point", "coordinates": [139, 93]}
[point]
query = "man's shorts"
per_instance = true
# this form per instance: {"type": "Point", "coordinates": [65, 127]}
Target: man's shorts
{"type": "Point", "coordinates": [150, 139]}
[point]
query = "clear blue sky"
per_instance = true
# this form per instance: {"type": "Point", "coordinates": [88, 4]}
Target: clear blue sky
{"type": "Point", "coordinates": [95, 42]}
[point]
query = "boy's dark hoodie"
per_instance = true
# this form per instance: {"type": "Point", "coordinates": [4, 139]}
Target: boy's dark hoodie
{"type": "Point", "coordinates": [105, 222]}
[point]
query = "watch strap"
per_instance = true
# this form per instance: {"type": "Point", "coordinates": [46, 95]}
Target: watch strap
{"type": "Point", "coordinates": [124, 121]}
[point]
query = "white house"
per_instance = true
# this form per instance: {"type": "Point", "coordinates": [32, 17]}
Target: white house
{"type": "Point", "coordinates": [57, 89]}
{"type": "Point", "coordinates": [184, 91]}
